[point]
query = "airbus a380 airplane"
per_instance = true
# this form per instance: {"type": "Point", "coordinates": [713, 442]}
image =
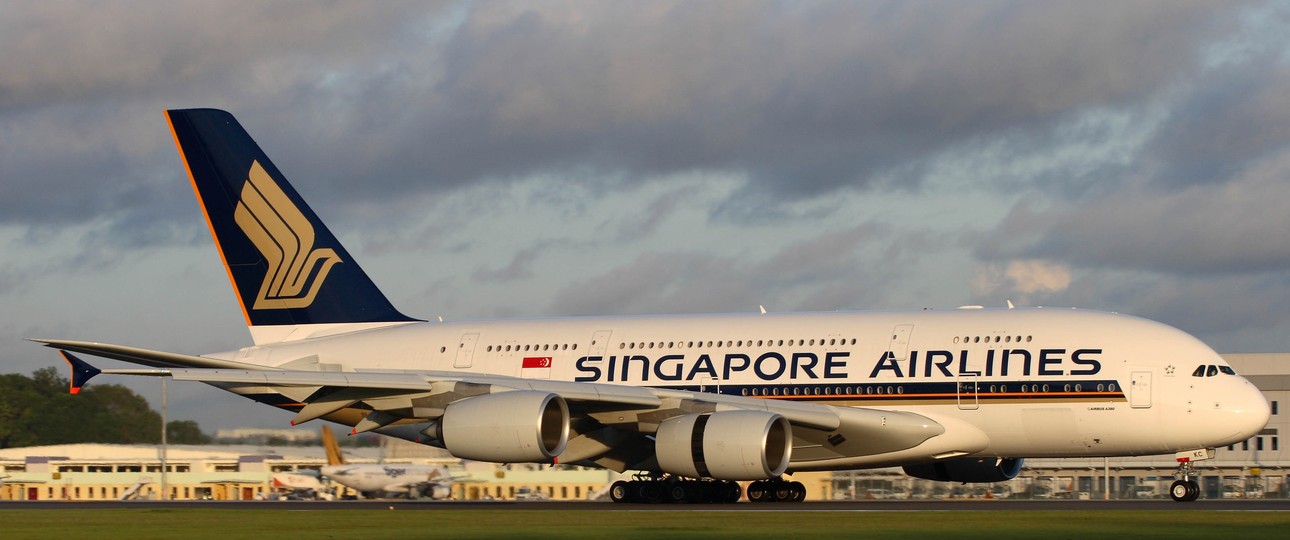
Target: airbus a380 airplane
{"type": "Point", "coordinates": [693, 402]}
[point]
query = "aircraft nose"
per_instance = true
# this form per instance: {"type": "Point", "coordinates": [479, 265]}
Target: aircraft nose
{"type": "Point", "coordinates": [1246, 412]}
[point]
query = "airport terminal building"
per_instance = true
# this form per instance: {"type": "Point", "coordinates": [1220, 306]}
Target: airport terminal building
{"type": "Point", "coordinates": [1256, 468]}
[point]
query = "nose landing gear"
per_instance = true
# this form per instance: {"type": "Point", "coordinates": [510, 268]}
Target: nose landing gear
{"type": "Point", "coordinates": [1185, 489]}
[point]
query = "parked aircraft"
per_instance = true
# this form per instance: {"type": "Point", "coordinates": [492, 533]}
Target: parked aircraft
{"type": "Point", "coordinates": [693, 402]}
{"type": "Point", "coordinates": [375, 480]}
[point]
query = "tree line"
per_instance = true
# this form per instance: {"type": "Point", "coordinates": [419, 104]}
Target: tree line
{"type": "Point", "coordinates": [37, 410]}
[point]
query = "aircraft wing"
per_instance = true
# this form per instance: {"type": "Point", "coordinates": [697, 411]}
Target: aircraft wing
{"type": "Point", "coordinates": [608, 424]}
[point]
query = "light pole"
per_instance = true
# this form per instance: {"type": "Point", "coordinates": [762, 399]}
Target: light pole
{"type": "Point", "coordinates": [165, 492]}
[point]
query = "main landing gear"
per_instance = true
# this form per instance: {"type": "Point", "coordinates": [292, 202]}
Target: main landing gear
{"type": "Point", "coordinates": [674, 490]}
{"type": "Point", "coordinates": [776, 490]}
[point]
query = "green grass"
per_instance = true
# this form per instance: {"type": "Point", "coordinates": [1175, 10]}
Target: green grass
{"type": "Point", "coordinates": [224, 524]}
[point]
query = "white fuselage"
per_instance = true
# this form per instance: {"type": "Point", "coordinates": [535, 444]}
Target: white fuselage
{"type": "Point", "coordinates": [382, 478]}
{"type": "Point", "coordinates": [1028, 382]}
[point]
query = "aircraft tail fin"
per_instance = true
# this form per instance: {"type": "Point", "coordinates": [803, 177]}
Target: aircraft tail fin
{"type": "Point", "coordinates": [286, 267]}
{"type": "Point", "coordinates": [334, 455]}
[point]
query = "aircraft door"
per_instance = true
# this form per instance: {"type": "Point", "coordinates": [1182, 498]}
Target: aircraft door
{"type": "Point", "coordinates": [466, 350]}
{"type": "Point", "coordinates": [899, 345]}
{"type": "Point", "coordinates": [968, 392]}
{"type": "Point", "coordinates": [599, 343]}
{"type": "Point", "coordinates": [1140, 390]}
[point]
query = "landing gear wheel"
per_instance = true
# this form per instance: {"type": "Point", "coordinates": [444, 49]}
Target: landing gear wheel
{"type": "Point", "coordinates": [1184, 491]}
{"type": "Point", "coordinates": [797, 492]}
{"type": "Point", "coordinates": [757, 492]}
{"type": "Point", "coordinates": [650, 492]}
{"type": "Point", "coordinates": [619, 491]}
{"type": "Point", "coordinates": [678, 493]}
{"type": "Point", "coordinates": [783, 491]}
{"type": "Point", "coordinates": [733, 492]}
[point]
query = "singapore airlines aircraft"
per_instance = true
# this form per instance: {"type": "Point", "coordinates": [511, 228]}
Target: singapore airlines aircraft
{"type": "Point", "coordinates": [692, 402]}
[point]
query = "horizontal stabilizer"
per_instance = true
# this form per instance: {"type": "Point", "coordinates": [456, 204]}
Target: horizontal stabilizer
{"type": "Point", "coordinates": [145, 357]}
{"type": "Point", "coordinates": [82, 372]}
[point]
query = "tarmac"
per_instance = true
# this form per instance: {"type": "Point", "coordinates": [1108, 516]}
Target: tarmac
{"type": "Point", "coordinates": [973, 505]}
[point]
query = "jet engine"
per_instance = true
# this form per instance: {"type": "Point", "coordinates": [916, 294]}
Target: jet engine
{"type": "Point", "coordinates": [967, 469]}
{"type": "Point", "coordinates": [437, 491]}
{"type": "Point", "coordinates": [508, 427]}
{"type": "Point", "coordinates": [727, 445]}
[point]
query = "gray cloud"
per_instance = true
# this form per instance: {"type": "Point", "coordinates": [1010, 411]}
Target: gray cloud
{"type": "Point", "coordinates": [827, 271]}
{"type": "Point", "coordinates": [802, 98]}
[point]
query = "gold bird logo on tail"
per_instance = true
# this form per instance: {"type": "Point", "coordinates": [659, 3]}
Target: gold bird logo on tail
{"type": "Point", "coordinates": [285, 238]}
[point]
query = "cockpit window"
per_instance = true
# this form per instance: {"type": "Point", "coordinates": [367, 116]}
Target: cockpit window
{"type": "Point", "coordinates": [1212, 371]}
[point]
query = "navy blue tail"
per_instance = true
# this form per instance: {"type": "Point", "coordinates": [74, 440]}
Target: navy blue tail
{"type": "Point", "coordinates": [286, 267]}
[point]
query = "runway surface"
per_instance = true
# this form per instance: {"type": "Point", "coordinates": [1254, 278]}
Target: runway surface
{"type": "Point", "coordinates": [1261, 505]}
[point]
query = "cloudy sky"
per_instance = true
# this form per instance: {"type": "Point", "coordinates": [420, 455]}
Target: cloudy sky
{"type": "Point", "coordinates": [495, 159]}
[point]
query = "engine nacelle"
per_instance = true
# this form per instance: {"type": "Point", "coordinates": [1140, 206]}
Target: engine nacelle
{"type": "Point", "coordinates": [727, 445]}
{"type": "Point", "coordinates": [509, 427]}
{"type": "Point", "coordinates": [437, 491]}
{"type": "Point", "coordinates": [967, 469]}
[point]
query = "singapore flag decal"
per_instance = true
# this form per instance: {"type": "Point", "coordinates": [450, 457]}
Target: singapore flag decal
{"type": "Point", "coordinates": [536, 367]}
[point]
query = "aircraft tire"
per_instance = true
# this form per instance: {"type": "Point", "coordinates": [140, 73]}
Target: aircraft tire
{"type": "Point", "coordinates": [733, 492]}
{"type": "Point", "coordinates": [798, 491]}
{"type": "Point", "coordinates": [1184, 491]}
{"type": "Point", "coordinates": [620, 491]}
{"type": "Point", "coordinates": [678, 493]}
{"type": "Point", "coordinates": [650, 492]}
